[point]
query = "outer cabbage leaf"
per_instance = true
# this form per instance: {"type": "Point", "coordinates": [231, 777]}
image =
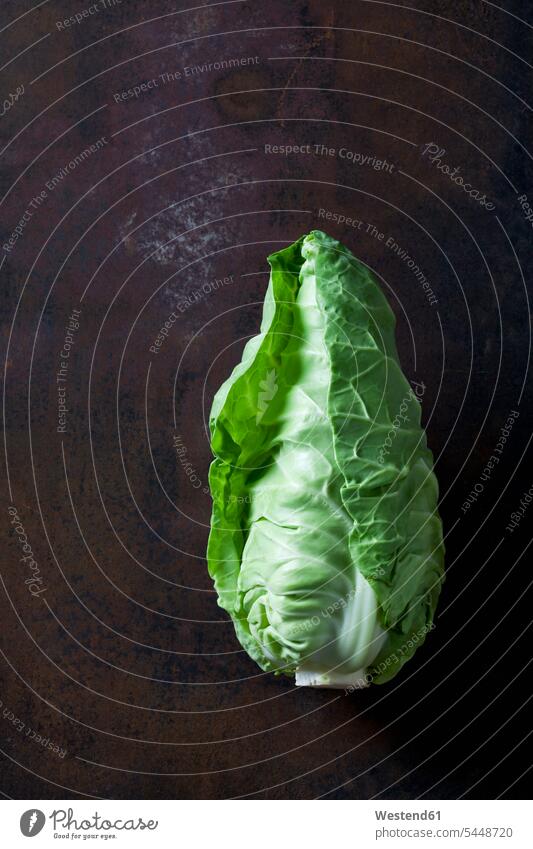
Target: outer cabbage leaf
{"type": "Point", "coordinates": [326, 546]}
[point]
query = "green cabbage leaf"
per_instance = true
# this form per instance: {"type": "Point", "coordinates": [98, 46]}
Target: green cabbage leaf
{"type": "Point", "coordinates": [325, 545]}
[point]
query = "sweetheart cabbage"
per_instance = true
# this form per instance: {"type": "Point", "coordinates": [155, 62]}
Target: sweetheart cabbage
{"type": "Point", "coordinates": [326, 545]}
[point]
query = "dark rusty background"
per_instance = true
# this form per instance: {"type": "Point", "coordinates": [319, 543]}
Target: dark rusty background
{"type": "Point", "coordinates": [124, 660]}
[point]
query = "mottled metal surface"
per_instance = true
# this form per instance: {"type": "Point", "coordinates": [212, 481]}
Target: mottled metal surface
{"type": "Point", "coordinates": [121, 659]}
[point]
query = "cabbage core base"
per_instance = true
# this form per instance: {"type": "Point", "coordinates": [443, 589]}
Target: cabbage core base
{"type": "Point", "coordinates": [306, 677]}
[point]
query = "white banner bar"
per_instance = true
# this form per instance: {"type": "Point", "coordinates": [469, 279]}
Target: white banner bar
{"type": "Point", "coordinates": [268, 824]}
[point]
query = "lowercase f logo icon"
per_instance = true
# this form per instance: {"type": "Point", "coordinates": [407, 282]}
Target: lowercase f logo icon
{"type": "Point", "coordinates": [32, 822]}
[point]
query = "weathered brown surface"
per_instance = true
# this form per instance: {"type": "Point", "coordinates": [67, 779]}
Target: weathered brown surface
{"type": "Point", "coordinates": [124, 660]}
